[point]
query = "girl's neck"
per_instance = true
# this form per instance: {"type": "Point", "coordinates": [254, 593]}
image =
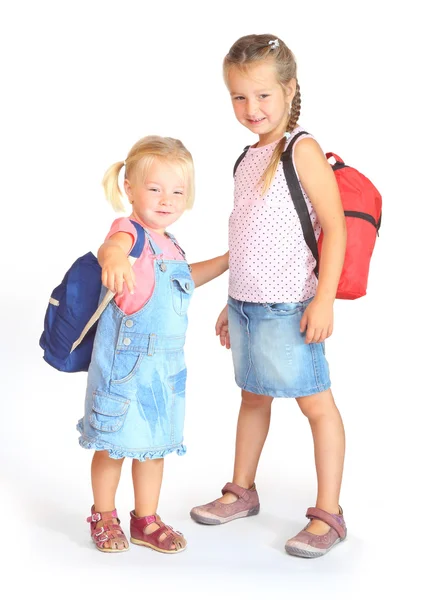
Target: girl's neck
{"type": "Point", "coordinates": [269, 138]}
{"type": "Point", "coordinates": [141, 222]}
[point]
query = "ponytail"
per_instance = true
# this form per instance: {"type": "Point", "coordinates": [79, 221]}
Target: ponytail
{"type": "Point", "coordinates": [111, 186]}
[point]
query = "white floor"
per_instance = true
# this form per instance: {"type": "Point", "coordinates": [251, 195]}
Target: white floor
{"type": "Point", "coordinates": [50, 551]}
{"type": "Point", "coordinates": [46, 496]}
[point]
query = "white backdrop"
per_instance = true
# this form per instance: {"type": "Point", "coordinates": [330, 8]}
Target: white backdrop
{"type": "Point", "coordinates": [82, 81]}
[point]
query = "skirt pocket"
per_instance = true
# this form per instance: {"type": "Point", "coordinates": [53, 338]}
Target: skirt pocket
{"type": "Point", "coordinates": [108, 412]}
{"type": "Point", "coordinates": [284, 308]}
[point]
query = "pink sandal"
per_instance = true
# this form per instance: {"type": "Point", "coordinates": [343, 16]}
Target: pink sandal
{"type": "Point", "coordinates": [109, 531]}
{"type": "Point", "coordinates": [138, 526]}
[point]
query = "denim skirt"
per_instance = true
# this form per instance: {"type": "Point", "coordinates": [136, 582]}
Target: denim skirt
{"type": "Point", "coordinates": [270, 354]}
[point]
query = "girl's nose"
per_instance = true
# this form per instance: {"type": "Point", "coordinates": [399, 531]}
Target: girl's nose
{"type": "Point", "coordinates": [251, 108]}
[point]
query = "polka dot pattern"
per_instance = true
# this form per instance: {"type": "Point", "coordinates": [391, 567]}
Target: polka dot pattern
{"type": "Point", "coordinates": [269, 258]}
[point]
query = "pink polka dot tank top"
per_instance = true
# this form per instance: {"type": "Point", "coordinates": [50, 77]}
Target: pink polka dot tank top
{"type": "Point", "coordinates": [269, 259]}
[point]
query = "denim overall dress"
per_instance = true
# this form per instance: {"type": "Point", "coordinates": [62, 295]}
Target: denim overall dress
{"type": "Point", "coordinates": [135, 399]}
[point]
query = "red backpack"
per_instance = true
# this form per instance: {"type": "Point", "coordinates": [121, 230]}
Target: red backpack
{"type": "Point", "coordinates": [362, 206]}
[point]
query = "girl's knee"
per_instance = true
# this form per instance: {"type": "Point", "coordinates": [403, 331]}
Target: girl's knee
{"type": "Point", "coordinates": [317, 405]}
{"type": "Point", "coordinates": [255, 400]}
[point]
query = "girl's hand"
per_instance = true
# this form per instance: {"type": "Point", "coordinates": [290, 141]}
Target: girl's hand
{"type": "Point", "coordinates": [222, 328]}
{"type": "Point", "coordinates": [318, 320]}
{"type": "Point", "coordinates": [116, 270]}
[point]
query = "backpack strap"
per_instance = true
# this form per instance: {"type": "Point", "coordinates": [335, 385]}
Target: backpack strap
{"type": "Point", "coordinates": [135, 253]}
{"type": "Point", "coordinates": [240, 158]}
{"type": "Point", "coordinates": [298, 198]}
{"type": "Point", "coordinates": [138, 247]}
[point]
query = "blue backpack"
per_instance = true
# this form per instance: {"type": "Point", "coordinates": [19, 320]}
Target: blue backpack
{"type": "Point", "coordinates": [73, 310]}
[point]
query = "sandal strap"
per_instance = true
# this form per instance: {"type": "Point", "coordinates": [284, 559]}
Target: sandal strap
{"type": "Point", "coordinates": [157, 533]}
{"type": "Point", "coordinates": [95, 517]}
{"type": "Point", "coordinates": [143, 522]}
{"type": "Point", "coordinates": [108, 533]}
{"type": "Point", "coordinates": [241, 492]}
{"type": "Point", "coordinates": [328, 518]}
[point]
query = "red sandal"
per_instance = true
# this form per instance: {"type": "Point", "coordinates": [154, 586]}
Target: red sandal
{"type": "Point", "coordinates": [109, 531]}
{"type": "Point", "coordinates": [138, 526]}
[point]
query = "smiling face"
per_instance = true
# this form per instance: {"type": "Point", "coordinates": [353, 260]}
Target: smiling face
{"type": "Point", "coordinates": [260, 102]}
{"type": "Point", "coordinates": [160, 199]}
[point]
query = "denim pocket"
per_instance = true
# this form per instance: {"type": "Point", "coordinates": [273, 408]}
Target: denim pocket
{"type": "Point", "coordinates": [181, 288]}
{"type": "Point", "coordinates": [284, 308]}
{"type": "Point", "coordinates": [126, 365]}
{"type": "Point", "coordinates": [108, 412]}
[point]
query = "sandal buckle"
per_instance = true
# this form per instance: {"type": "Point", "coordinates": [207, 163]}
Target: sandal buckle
{"type": "Point", "coordinates": [95, 518]}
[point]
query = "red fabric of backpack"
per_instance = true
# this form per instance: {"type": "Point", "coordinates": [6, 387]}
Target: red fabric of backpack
{"type": "Point", "coordinates": [362, 204]}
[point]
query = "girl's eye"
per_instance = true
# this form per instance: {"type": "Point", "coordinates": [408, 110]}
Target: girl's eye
{"type": "Point", "coordinates": [180, 193]}
{"type": "Point", "coordinates": [153, 189]}
{"type": "Point", "coordinates": [264, 96]}
{"type": "Point", "coordinates": [238, 97]}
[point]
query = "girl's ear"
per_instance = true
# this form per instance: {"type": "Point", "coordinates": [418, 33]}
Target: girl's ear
{"type": "Point", "coordinates": [128, 190]}
{"type": "Point", "coordinates": [290, 90]}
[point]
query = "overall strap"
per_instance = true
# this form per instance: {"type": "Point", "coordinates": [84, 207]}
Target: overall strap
{"type": "Point", "coordinates": [298, 198]}
{"type": "Point", "coordinates": [134, 253]}
{"type": "Point", "coordinates": [240, 158]}
{"type": "Point", "coordinates": [152, 245]}
{"type": "Point", "coordinates": [176, 244]}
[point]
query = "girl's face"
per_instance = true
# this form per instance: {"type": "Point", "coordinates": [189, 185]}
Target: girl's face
{"type": "Point", "coordinates": [161, 199]}
{"type": "Point", "coordinates": [260, 102]}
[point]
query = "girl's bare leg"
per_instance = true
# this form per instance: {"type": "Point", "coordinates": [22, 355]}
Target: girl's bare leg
{"type": "Point", "coordinates": [252, 429]}
{"type": "Point", "coordinates": [329, 448]}
{"type": "Point", "coordinates": [105, 476]}
{"type": "Point", "coordinates": [147, 481]}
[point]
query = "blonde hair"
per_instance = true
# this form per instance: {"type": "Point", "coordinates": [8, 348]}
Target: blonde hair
{"type": "Point", "coordinates": [247, 51]}
{"type": "Point", "coordinates": [138, 162]}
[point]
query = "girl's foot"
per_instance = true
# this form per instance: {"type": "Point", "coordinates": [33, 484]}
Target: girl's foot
{"type": "Point", "coordinates": [106, 532]}
{"type": "Point", "coordinates": [311, 545]}
{"type": "Point", "coordinates": [245, 504]}
{"type": "Point", "coordinates": [152, 532]}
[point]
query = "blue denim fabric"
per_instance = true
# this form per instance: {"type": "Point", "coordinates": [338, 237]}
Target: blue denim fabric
{"type": "Point", "coordinates": [270, 355]}
{"type": "Point", "coordinates": [135, 399]}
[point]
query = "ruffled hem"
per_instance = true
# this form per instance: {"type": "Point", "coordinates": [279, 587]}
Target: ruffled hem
{"type": "Point", "coordinates": [118, 453]}
{"type": "Point", "coordinates": [141, 456]}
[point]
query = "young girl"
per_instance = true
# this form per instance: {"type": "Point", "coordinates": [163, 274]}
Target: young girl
{"type": "Point", "coordinates": [136, 382]}
{"type": "Point", "coordinates": [278, 313]}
